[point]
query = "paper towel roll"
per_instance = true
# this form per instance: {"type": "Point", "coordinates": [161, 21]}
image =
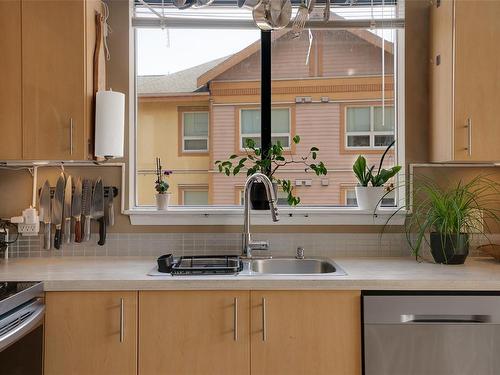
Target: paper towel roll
{"type": "Point", "coordinates": [109, 124]}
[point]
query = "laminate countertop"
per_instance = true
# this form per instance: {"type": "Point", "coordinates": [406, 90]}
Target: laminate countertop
{"type": "Point", "coordinates": [131, 273]}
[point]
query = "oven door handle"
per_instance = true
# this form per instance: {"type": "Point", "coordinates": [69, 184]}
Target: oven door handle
{"type": "Point", "coordinates": [17, 325]}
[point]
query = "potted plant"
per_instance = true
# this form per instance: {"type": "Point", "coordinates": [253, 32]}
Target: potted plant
{"type": "Point", "coordinates": [370, 189]}
{"type": "Point", "coordinates": [253, 161]}
{"type": "Point", "coordinates": [449, 216]}
{"type": "Point", "coordinates": [161, 186]}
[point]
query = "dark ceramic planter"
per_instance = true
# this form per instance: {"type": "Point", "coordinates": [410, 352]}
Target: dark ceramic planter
{"type": "Point", "coordinates": [450, 249]}
{"type": "Point", "coordinates": [258, 197]}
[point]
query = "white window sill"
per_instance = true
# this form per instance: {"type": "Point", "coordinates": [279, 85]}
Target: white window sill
{"type": "Point", "coordinates": [288, 216]}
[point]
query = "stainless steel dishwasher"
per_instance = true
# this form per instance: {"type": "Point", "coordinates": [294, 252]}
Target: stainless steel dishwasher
{"type": "Point", "coordinates": [431, 334]}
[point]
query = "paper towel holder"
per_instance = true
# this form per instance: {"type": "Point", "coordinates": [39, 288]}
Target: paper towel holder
{"type": "Point", "coordinates": [109, 124]}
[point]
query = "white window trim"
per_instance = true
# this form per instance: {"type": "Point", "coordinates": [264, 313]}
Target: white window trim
{"type": "Point", "coordinates": [372, 133]}
{"type": "Point", "coordinates": [195, 138]}
{"type": "Point", "coordinates": [140, 215]}
{"type": "Point", "coordinates": [257, 135]}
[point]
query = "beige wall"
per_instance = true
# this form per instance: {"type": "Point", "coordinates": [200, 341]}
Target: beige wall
{"type": "Point", "coordinates": [15, 187]}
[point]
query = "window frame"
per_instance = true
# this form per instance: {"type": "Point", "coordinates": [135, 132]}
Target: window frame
{"type": "Point", "coordinates": [212, 215]}
{"type": "Point", "coordinates": [182, 110]}
{"type": "Point", "coordinates": [371, 133]}
{"type": "Point", "coordinates": [291, 116]}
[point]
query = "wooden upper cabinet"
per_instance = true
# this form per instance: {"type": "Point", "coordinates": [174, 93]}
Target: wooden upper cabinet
{"type": "Point", "coordinates": [194, 333]}
{"type": "Point", "coordinates": [305, 332]}
{"type": "Point", "coordinates": [89, 333]}
{"type": "Point", "coordinates": [10, 86]}
{"type": "Point", "coordinates": [465, 71]}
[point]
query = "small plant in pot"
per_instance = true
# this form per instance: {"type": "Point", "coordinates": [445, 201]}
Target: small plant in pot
{"type": "Point", "coordinates": [253, 161]}
{"type": "Point", "coordinates": [161, 186]}
{"type": "Point", "coordinates": [371, 189]}
{"type": "Point", "coordinates": [450, 216]}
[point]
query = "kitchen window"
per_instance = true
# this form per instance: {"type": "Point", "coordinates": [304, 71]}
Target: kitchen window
{"type": "Point", "coordinates": [280, 127]}
{"type": "Point", "coordinates": [282, 198]}
{"type": "Point", "coordinates": [345, 99]}
{"type": "Point", "coordinates": [193, 195]}
{"type": "Point", "coordinates": [369, 127]}
{"type": "Point", "coordinates": [194, 132]}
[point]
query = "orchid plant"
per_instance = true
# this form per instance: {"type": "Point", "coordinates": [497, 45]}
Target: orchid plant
{"type": "Point", "coordinates": [161, 186]}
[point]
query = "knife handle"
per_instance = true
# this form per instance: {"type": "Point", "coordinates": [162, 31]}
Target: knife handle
{"type": "Point", "coordinates": [86, 228]}
{"type": "Point", "coordinates": [78, 230]}
{"type": "Point", "coordinates": [57, 238]}
{"type": "Point", "coordinates": [46, 236]}
{"type": "Point", "coordinates": [67, 230]}
{"type": "Point", "coordinates": [102, 231]}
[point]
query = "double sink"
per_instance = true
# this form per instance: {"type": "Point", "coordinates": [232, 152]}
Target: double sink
{"type": "Point", "coordinates": [294, 266]}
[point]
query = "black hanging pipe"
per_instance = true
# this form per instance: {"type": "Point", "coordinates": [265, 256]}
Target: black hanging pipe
{"type": "Point", "coordinates": [265, 95]}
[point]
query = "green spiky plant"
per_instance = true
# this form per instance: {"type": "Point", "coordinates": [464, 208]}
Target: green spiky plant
{"type": "Point", "coordinates": [462, 208]}
{"type": "Point", "coordinates": [254, 162]}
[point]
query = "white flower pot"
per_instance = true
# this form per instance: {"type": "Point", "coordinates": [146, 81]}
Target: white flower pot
{"type": "Point", "coordinates": [369, 197]}
{"type": "Point", "coordinates": [162, 201]}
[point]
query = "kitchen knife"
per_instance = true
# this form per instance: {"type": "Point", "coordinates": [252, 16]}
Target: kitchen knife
{"type": "Point", "coordinates": [57, 208]}
{"type": "Point", "coordinates": [76, 209]}
{"type": "Point", "coordinates": [68, 192]}
{"type": "Point", "coordinates": [111, 208]}
{"type": "Point", "coordinates": [45, 213]}
{"type": "Point", "coordinates": [86, 203]}
{"type": "Point", "coordinates": [97, 210]}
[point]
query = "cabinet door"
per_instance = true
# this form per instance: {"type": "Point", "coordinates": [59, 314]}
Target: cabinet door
{"type": "Point", "coordinates": [441, 81]}
{"type": "Point", "coordinates": [305, 332]}
{"type": "Point", "coordinates": [194, 332]}
{"type": "Point", "coordinates": [477, 77]}
{"type": "Point", "coordinates": [53, 68]}
{"type": "Point", "coordinates": [10, 87]}
{"type": "Point", "coordinates": [90, 333]}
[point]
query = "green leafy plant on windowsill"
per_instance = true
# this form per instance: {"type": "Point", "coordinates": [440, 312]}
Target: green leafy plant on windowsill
{"type": "Point", "coordinates": [254, 162]}
{"type": "Point", "coordinates": [365, 174]}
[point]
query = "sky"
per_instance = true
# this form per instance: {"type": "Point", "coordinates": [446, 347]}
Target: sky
{"type": "Point", "coordinates": [162, 52]}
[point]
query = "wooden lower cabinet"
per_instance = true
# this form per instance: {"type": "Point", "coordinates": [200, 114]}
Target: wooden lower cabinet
{"type": "Point", "coordinates": [306, 332]}
{"type": "Point", "coordinates": [82, 333]}
{"type": "Point", "coordinates": [194, 333]}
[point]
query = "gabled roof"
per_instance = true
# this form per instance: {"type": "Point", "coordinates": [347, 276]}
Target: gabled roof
{"type": "Point", "coordinates": [255, 47]}
{"type": "Point", "coordinates": [184, 81]}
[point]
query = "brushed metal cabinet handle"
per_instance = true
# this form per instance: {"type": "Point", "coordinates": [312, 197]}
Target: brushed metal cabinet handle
{"type": "Point", "coordinates": [235, 319]}
{"type": "Point", "coordinates": [122, 320]}
{"type": "Point", "coordinates": [468, 125]}
{"type": "Point", "coordinates": [71, 136]}
{"type": "Point", "coordinates": [264, 322]}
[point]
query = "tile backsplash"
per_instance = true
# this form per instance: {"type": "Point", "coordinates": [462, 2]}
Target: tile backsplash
{"type": "Point", "coordinates": [156, 244]}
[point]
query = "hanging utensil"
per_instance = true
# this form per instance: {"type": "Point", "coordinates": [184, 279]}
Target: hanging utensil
{"type": "Point", "coordinates": [183, 4]}
{"type": "Point", "coordinates": [300, 19]}
{"type": "Point", "coordinates": [76, 210]}
{"type": "Point", "coordinates": [272, 14]}
{"type": "Point", "coordinates": [68, 191]}
{"type": "Point", "coordinates": [57, 209]}
{"type": "Point", "coordinates": [45, 214]}
{"type": "Point", "coordinates": [86, 203]}
{"type": "Point", "coordinates": [249, 4]}
{"type": "Point", "coordinates": [202, 3]}
{"type": "Point", "coordinates": [326, 12]}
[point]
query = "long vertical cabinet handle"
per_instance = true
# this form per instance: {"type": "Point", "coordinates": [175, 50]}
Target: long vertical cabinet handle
{"type": "Point", "coordinates": [122, 319]}
{"type": "Point", "coordinates": [235, 319]}
{"type": "Point", "coordinates": [468, 125]}
{"type": "Point", "coordinates": [71, 136]}
{"type": "Point", "coordinates": [264, 320]}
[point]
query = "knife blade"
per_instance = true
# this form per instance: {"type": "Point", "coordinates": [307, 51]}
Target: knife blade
{"type": "Point", "coordinates": [57, 208]}
{"type": "Point", "coordinates": [111, 208]}
{"type": "Point", "coordinates": [76, 210]}
{"type": "Point", "coordinates": [86, 203]}
{"type": "Point", "coordinates": [97, 210]}
{"type": "Point", "coordinates": [68, 193]}
{"type": "Point", "coordinates": [45, 213]}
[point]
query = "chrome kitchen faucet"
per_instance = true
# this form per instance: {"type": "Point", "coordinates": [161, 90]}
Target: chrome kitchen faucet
{"type": "Point", "coordinates": [248, 244]}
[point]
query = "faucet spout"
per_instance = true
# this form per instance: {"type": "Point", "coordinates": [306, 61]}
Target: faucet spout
{"type": "Point", "coordinates": [248, 244]}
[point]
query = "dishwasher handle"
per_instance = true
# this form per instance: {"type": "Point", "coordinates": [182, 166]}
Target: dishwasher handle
{"type": "Point", "coordinates": [17, 325]}
{"type": "Point", "coordinates": [444, 319]}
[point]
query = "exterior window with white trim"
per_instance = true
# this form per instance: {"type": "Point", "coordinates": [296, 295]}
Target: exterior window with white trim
{"type": "Point", "coordinates": [280, 126]}
{"type": "Point", "coordinates": [282, 198]}
{"type": "Point", "coordinates": [195, 132]}
{"type": "Point", "coordinates": [195, 197]}
{"type": "Point", "coordinates": [369, 127]}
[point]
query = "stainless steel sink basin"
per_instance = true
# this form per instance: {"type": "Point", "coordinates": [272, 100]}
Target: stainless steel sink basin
{"type": "Point", "coordinates": [293, 266]}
